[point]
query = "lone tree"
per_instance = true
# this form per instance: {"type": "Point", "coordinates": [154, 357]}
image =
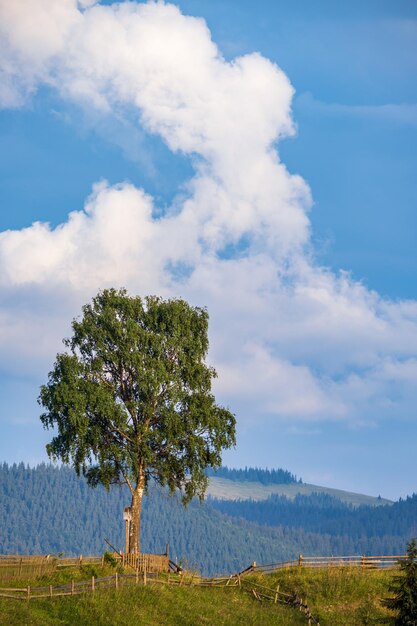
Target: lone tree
{"type": "Point", "coordinates": [131, 399]}
{"type": "Point", "coordinates": [404, 586]}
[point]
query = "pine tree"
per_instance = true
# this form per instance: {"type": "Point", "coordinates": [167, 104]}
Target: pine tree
{"type": "Point", "coordinates": [404, 586]}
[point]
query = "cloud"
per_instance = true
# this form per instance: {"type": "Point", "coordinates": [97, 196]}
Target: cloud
{"type": "Point", "coordinates": [94, 247]}
{"type": "Point", "coordinates": [291, 340]}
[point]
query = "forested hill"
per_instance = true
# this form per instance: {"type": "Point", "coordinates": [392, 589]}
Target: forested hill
{"type": "Point", "coordinates": [325, 514]}
{"type": "Point", "coordinates": [256, 474]}
{"type": "Point", "coordinates": [49, 510]}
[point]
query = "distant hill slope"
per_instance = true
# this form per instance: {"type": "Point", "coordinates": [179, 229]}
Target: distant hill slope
{"type": "Point", "coordinates": [225, 489]}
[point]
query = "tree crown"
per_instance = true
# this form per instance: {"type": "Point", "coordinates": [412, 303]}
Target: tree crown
{"type": "Point", "coordinates": [131, 398]}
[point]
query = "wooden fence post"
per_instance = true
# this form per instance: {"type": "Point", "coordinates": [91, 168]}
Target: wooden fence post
{"type": "Point", "coordinates": [50, 591]}
{"type": "Point", "coordinates": [363, 561]}
{"type": "Point", "coordinates": [92, 584]}
{"type": "Point", "coordinates": [300, 560]}
{"type": "Point", "coordinates": [116, 580]}
{"type": "Point", "coordinates": [28, 592]}
{"type": "Point", "coordinates": [276, 594]}
{"type": "Point", "coordinates": [72, 587]}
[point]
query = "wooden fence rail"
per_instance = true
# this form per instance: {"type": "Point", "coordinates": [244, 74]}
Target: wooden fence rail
{"type": "Point", "coordinates": [13, 567]}
{"type": "Point", "coordinates": [28, 566]}
{"type": "Point", "coordinates": [260, 592]}
{"type": "Point", "coordinates": [361, 561]}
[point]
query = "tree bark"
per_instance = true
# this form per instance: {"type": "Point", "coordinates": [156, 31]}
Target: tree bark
{"type": "Point", "coordinates": [136, 509]}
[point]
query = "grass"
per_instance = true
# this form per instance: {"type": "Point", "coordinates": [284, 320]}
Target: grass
{"type": "Point", "coordinates": [224, 488]}
{"type": "Point", "coordinates": [60, 576]}
{"type": "Point", "coordinates": [149, 606]}
{"type": "Point", "coordinates": [337, 596]}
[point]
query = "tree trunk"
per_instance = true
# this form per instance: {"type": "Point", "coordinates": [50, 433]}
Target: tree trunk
{"type": "Point", "coordinates": [136, 508]}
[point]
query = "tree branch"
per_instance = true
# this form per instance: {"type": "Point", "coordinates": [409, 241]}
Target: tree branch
{"type": "Point", "coordinates": [122, 434]}
{"type": "Point", "coordinates": [129, 484]}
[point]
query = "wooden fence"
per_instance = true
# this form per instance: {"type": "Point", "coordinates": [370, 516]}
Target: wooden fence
{"type": "Point", "coordinates": [260, 592]}
{"type": "Point", "coordinates": [15, 566]}
{"type": "Point", "coordinates": [362, 561]}
{"type": "Point", "coordinates": [146, 562]}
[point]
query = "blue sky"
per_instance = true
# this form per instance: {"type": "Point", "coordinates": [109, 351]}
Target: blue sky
{"type": "Point", "coordinates": [309, 279]}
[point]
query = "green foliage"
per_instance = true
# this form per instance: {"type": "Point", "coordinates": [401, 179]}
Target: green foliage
{"type": "Point", "coordinates": [404, 585]}
{"type": "Point", "coordinates": [133, 395]}
{"type": "Point", "coordinates": [109, 559]}
{"type": "Point", "coordinates": [131, 399]}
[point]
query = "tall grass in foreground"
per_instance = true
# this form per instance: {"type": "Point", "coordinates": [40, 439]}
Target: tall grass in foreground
{"type": "Point", "coordinates": [151, 606]}
{"type": "Point", "coordinates": [337, 596]}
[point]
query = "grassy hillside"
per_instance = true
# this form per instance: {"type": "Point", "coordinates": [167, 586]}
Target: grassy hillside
{"type": "Point", "coordinates": [338, 597]}
{"type": "Point", "coordinates": [139, 605]}
{"type": "Point", "coordinates": [223, 488]}
{"type": "Point", "coordinates": [150, 606]}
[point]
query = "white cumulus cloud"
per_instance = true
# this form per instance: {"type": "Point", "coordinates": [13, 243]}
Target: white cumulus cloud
{"type": "Point", "coordinates": [290, 339]}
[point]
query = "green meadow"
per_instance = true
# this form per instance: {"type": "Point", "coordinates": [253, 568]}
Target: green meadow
{"type": "Point", "coordinates": [335, 596]}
